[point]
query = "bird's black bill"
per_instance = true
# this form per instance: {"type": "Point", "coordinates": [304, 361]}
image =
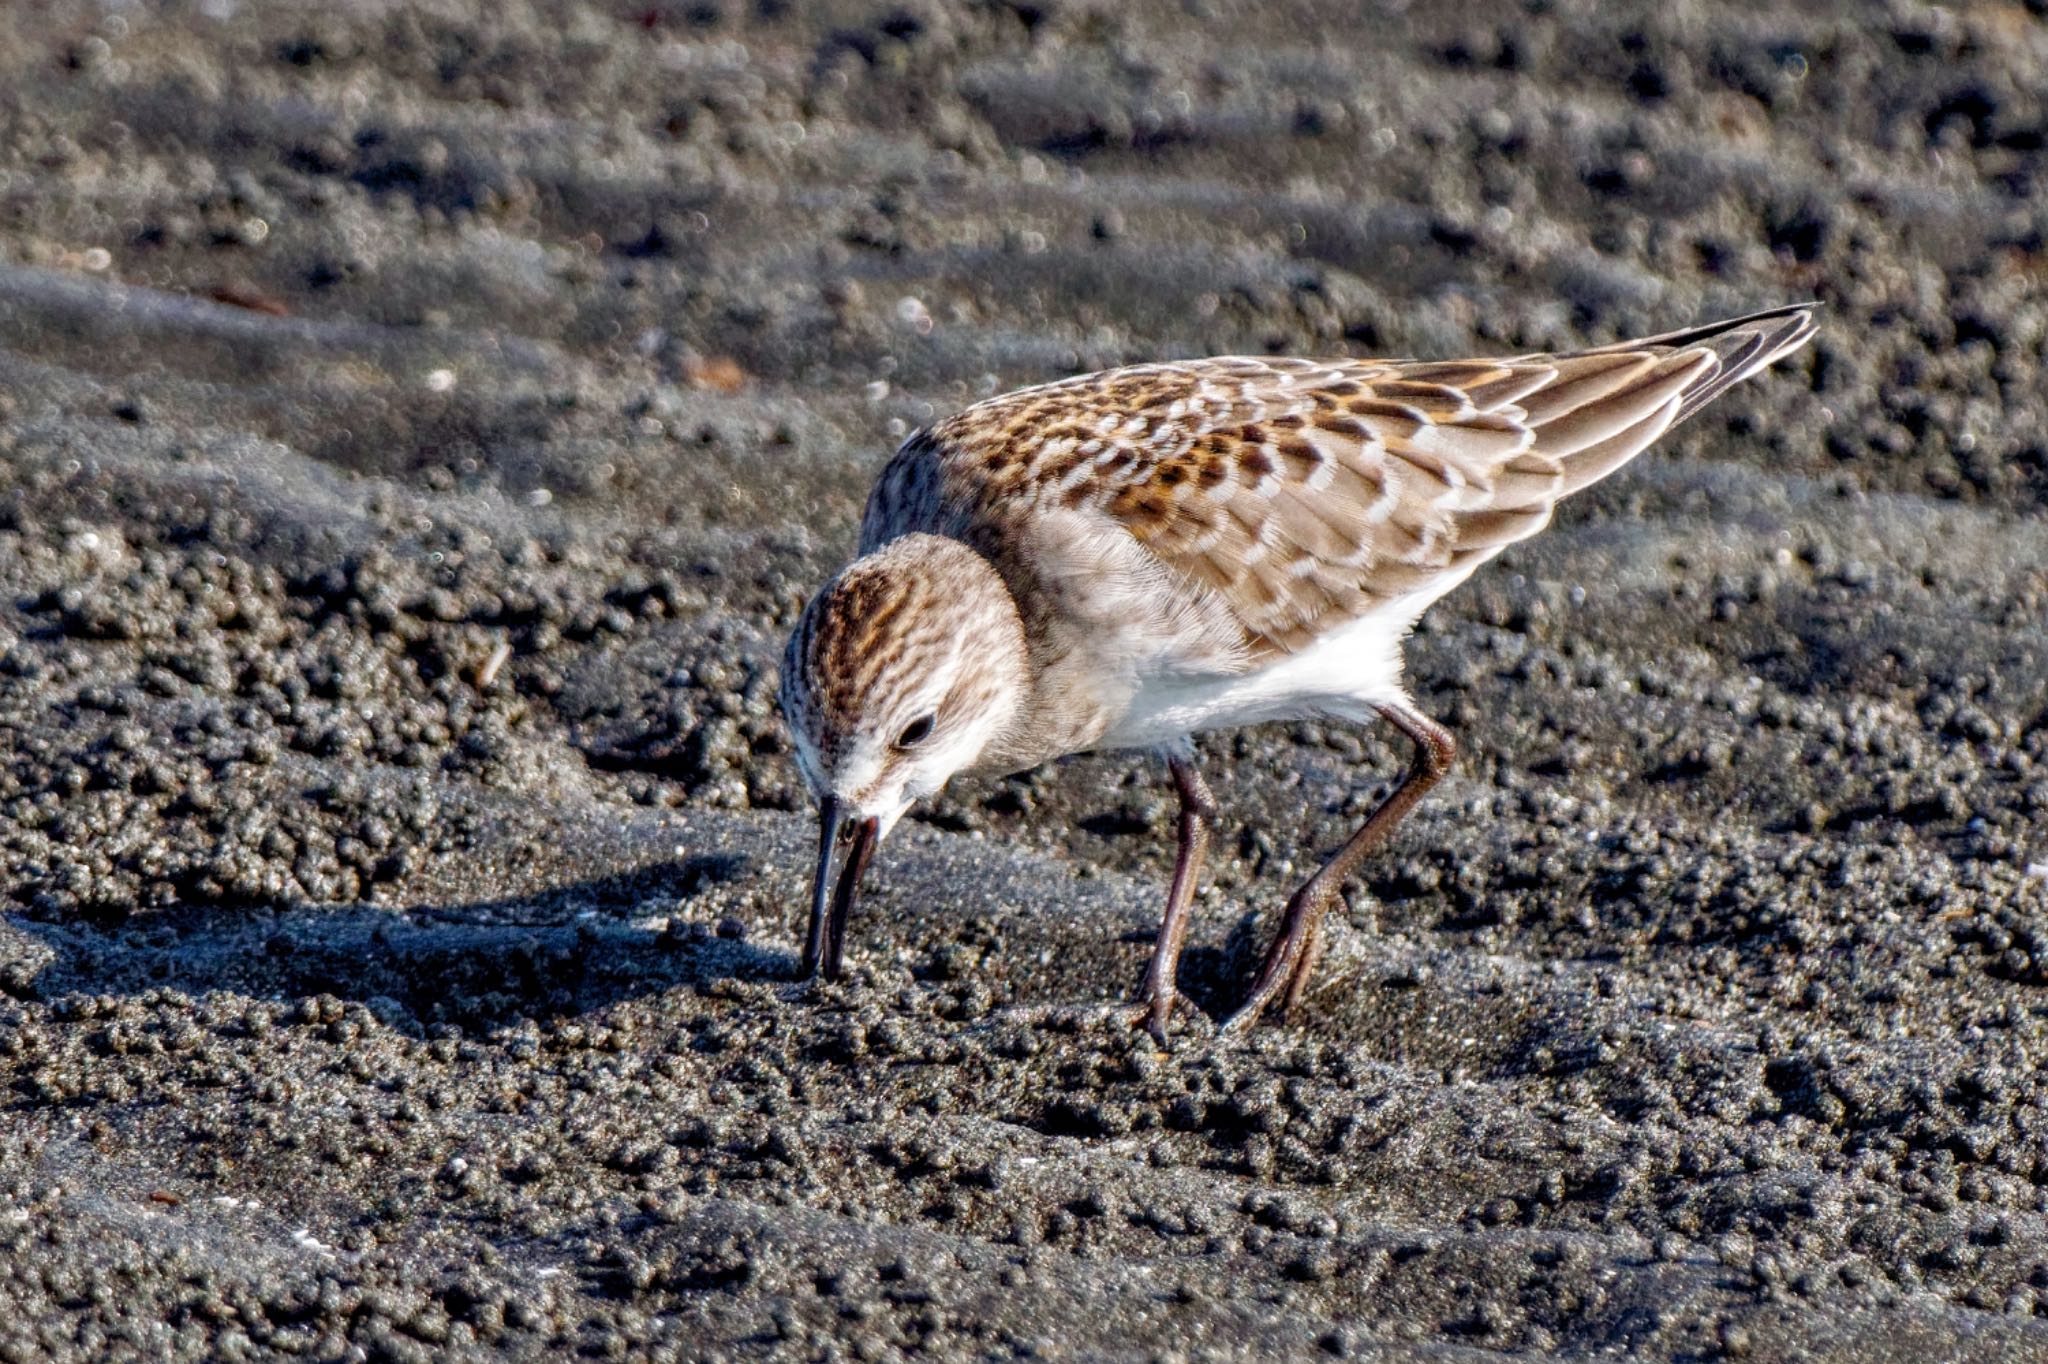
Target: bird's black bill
{"type": "Point", "coordinates": [825, 944]}
{"type": "Point", "coordinates": [821, 885]}
{"type": "Point", "coordinates": [866, 834]}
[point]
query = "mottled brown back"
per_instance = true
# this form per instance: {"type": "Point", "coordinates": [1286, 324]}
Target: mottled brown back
{"type": "Point", "coordinates": [1305, 493]}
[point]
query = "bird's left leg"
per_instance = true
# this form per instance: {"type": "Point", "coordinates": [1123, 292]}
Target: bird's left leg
{"type": "Point", "coordinates": [1197, 810]}
{"type": "Point", "coordinates": [1292, 956]}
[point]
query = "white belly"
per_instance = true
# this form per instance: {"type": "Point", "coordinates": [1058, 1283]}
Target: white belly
{"type": "Point", "coordinates": [1343, 673]}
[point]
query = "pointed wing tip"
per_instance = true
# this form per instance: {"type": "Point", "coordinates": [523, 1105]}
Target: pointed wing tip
{"type": "Point", "coordinates": [1802, 323]}
{"type": "Point", "coordinates": [1746, 347]}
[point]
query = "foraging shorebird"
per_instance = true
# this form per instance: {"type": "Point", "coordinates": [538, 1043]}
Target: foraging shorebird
{"type": "Point", "coordinates": [1126, 559]}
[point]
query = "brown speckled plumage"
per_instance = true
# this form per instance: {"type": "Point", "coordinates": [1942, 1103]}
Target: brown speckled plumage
{"type": "Point", "coordinates": [1303, 493]}
{"type": "Point", "coordinates": [1147, 552]}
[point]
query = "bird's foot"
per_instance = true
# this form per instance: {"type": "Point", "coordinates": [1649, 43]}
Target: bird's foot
{"type": "Point", "coordinates": [1247, 1016]}
{"type": "Point", "coordinates": [1289, 962]}
{"type": "Point", "coordinates": [1154, 1011]}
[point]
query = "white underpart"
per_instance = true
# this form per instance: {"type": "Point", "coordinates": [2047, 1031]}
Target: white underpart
{"type": "Point", "coordinates": [1344, 673]}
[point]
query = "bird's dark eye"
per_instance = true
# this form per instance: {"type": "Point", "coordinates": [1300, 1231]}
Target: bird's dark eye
{"type": "Point", "coordinates": [915, 733]}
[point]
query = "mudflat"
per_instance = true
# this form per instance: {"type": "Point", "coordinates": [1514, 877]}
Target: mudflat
{"type": "Point", "coordinates": [418, 431]}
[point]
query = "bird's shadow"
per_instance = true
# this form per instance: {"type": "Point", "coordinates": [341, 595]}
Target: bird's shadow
{"type": "Point", "coordinates": [550, 953]}
{"type": "Point", "coordinates": [546, 953]}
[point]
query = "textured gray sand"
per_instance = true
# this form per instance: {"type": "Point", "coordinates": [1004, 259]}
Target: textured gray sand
{"type": "Point", "coordinates": [361, 1001]}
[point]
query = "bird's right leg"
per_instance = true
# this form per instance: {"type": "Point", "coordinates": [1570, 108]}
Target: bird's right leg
{"type": "Point", "coordinates": [1197, 810]}
{"type": "Point", "coordinates": [1292, 956]}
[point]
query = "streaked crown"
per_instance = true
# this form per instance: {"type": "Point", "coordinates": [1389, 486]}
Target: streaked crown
{"type": "Point", "coordinates": [901, 671]}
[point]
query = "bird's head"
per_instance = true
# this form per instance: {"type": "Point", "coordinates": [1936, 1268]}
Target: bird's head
{"type": "Point", "coordinates": [903, 670]}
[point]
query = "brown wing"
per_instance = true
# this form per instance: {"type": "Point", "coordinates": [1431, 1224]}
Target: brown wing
{"type": "Point", "coordinates": [1306, 493]}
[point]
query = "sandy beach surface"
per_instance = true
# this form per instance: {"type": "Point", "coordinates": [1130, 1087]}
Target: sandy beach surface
{"type": "Point", "coordinates": [417, 433]}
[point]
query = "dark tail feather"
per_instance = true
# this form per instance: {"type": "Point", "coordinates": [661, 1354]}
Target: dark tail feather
{"type": "Point", "coordinates": [1746, 345]}
{"type": "Point", "coordinates": [1743, 345]}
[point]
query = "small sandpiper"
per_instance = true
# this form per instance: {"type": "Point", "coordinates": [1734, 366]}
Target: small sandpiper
{"type": "Point", "coordinates": [1126, 559]}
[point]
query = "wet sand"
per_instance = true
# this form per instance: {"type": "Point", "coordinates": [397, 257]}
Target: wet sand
{"type": "Point", "coordinates": [417, 434]}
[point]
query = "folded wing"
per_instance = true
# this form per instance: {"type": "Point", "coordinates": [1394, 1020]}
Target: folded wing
{"type": "Point", "coordinates": [1307, 493]}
